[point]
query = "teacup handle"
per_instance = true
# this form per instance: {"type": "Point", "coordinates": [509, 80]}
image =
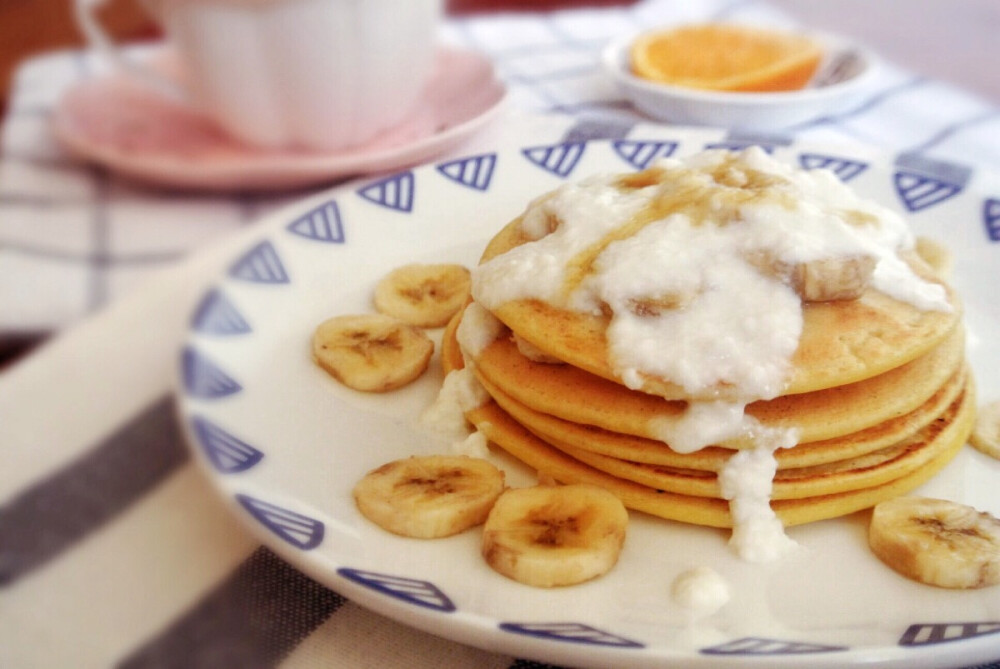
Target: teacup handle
{"type": "Point", "coordinates": [103, 44]}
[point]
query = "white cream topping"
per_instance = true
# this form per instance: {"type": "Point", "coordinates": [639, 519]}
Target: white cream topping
{"type": "Point", "coordinates": [700, 591]}
{"type": "Point", "coordinates": [460, 392]}
{"type": "Point", "coordinates": [477, 330]}
{"type": "Point", "coordinates": [593, 208]}
{"type": "Point", "coordinates": [476, 445]}
{"type": "Point", "coordinates": [746, 481]}
{"type": "Point", "coordinates": [697, 285]}
{"type": "Point", "coordinates": [758, 318]}
{"type": "Point", "coordinates": [701, 424]}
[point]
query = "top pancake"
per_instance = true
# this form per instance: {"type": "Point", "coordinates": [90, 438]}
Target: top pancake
{"type": "Point", "coordinates": [842, 341]}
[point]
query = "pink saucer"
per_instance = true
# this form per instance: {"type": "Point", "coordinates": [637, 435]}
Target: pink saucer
{"type": "Point", "coordinates": [131, 130]}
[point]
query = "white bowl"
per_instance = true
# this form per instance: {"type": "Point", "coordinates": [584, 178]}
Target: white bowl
{"type": "Point", "coordinates": [842, 77]}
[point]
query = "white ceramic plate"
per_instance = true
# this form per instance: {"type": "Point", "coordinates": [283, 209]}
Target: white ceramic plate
{"type": "Point", "coordinates": [284, 443]}
{"type": "Point", "coordinates": [845, 72]}
{"type": "Point", "coordinates": [137, 132]}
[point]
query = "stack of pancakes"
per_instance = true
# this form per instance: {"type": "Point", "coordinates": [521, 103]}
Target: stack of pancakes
{"type": "Point", "coordinates": [879, 393]}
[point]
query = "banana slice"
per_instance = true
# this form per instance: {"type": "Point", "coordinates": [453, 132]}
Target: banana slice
{"type": "Point", "coordinates": [823, 279]}
{"type": "Point", "coordinates": [986, 434]}
{"type": "Point", "coordinates": [429, 496]}
{"type": "Point", "coordinates": [833, 278]}
{"type": "Point", "coordinates": [937, 541]}
{"type": "Point", "coordinates": [371, 352]}
{"type": "Point", "coordinates": [549, 536]}
{"type": "Point", "coordinates": [423, 295]}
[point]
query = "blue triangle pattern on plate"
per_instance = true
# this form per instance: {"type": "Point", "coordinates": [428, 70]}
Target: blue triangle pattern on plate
{"type": "Point", "coordinates": [204, 379]}
{"type": "Point", "coordinates": [763, 646]}
{"type": "Point", "coordinates": [474, 171]}
{"type": "Point", "coordinates": [559, 159]}
{"type": "Point", "coordinates": [298, 530]}
{"type": "Point", "coordinates": [920, 192]}
{"type": "Point", "coordinates": [228, 454]}
{"type": "Point", "coordinates": [421, 593]}
{"type": "Point", "coordinates": [570, 632]}
{"type": "Point", "coordinates": [927, 634]}
{"type": "Point", "coordinates": [640, 153]}
{"type": "Point", "coordinates": [322, 224]}
{"type": "Point", "coordinates": [991, 219]}
{"type": "Point", "coordinates": [845, 168]}
{"type": "Point", "coordinates": [260, 264]}
{"type": "Point", "coordinates": [217, 315]}
{"type": "Point", "coordinates": [395, 192]}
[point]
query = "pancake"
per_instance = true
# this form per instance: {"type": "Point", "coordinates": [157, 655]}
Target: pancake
{"type": "Point", "coordinates": [855, 473]}
{"type": "Point", "coordinates": [842, 341]}
{"type": "Point", "coordinates": [514, 438]}
{"type": "Point", "coordinates": [568, 435]}
{"type": "Point", "coordinates": [579, 397]}
{"type": "Point", "coordinates": [920, 455]}
{"type": "Point", "coordinates": [712, 458]}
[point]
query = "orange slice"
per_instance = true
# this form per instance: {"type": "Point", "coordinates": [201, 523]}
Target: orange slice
{"type": "Point", "coordinates": [725, 58]}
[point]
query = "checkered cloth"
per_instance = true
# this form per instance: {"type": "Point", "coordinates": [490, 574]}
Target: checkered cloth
{"type": "Point", "coordinates": [113, 549]}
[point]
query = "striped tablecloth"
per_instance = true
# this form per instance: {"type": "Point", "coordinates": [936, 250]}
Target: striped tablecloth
{"type": "Point", "coordinates": [113, 548]}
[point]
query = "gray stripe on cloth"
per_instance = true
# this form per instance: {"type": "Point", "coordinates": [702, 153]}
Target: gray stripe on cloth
{"type": "Point", "coordinates": [100, 234]}
{"type": "Point", "coordinates": [49, 517]}
{"type": "Point", "coordinates": [251, 621]}
{"type": "Point", "coordinates": [585, 130]}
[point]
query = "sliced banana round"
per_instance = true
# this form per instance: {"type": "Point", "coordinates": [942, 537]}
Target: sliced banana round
{"type": "Point", "coordinates": [423, 295]}
{"type": "Point", "coordinates": [986, 434]}
{"type": "Point", "coordinates": [371, 352]}
{"type": "Point", "coordinates": [830, 279]}
{"type": "Point", "coordinates": [549, 536]}
{"type": "Point", "coordinates": [936, 541]}
{"type": "Point", "coordinates": [429, 496]}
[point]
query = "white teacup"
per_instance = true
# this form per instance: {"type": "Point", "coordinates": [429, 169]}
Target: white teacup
{"type": "Point", "coordinates": [318, 74]}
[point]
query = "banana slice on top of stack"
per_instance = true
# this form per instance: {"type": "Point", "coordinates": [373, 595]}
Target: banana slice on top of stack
{"type": "Point", "coordinates": [724, 340]}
